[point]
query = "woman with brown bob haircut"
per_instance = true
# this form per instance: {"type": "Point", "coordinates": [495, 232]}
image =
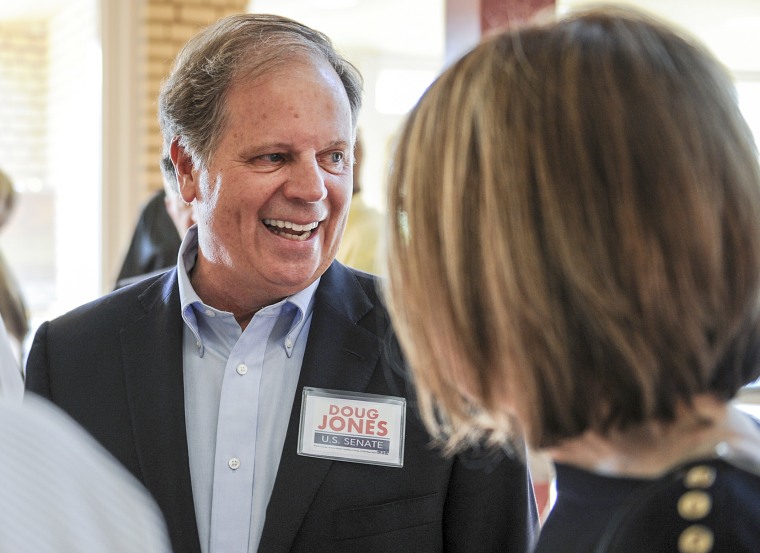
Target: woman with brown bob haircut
{"type": "Point", "coordinates": [574, 256]}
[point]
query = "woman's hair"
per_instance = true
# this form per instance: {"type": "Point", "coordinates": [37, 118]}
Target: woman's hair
{"type": "Point", "coordinates": [191, 104]}
{"type": "Point", "coordinates": [575, 232]}
{"type": "Point", "coordinates": [7, 198]}
{"type": "Point", "coordinates": [13, 310]}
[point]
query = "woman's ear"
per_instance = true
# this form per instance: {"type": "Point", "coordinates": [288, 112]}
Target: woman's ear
{"type": "Point", "coordinates": [187, 176]}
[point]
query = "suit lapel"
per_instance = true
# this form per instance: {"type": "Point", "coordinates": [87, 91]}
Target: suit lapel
{"type": "Point", "coordinates": [152, 353]}
{"type": "Point", "coordinates": [339, 355]}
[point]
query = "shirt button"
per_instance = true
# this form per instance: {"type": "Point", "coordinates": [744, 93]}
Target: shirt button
{"type": "Point", "coordinates": [700, 476]}
{"type": "Point", "coordinates": [210, 313]}
{"type": "Point", "coordinates": [694, 505]}
{"type": "Point", "coordinates": [696, 539]}
{"type": "Point", "coordinates": [288, 343]}
{"type": "Point", "coordinates": [234, 463]}
{"type": "Point", "coordinates": [242, 369]}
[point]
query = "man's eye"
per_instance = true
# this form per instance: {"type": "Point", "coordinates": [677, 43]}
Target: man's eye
{"type": "Point", "coordinates": [273, 158]}
{"type": "Point", "coordinates": [336, 157]}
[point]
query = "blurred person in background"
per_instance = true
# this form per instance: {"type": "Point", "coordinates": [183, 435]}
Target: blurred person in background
{"type": "Point", "coordinates": [359, 247]}
{"type": "Point", "coordinates": [575, 257]}
{"type": "Point", "coordinates": [12, 305]}
{"type": "Point", "coordinates": [163, 222]}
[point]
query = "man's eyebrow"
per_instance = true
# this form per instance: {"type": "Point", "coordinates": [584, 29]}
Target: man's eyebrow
{"type": "Point", "coordinates": [336, 144]}
{"type": "Point", "coordinates": [258, 149]}
{"type": "Point", "coordinates": [269, 147]}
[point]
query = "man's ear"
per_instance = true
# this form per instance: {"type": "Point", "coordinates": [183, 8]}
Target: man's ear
{"type": "Point", "coordinates": [187, 176]}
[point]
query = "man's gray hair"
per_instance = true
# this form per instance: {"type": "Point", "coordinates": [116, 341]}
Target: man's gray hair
{"type": "Point", "coordinates": [191, 104]}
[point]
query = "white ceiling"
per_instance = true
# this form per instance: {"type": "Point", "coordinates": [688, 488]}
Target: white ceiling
{"type": "Point", "coordinates": [731, 28]}
{"type": "Point", "coordinates": [410, 27]}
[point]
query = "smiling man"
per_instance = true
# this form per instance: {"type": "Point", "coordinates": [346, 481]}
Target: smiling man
{"type": "Point", "coordinates": [210, 381]}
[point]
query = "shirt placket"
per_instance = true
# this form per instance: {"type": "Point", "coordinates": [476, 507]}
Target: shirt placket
{"type": "Point", "coordinates": [237, 436]}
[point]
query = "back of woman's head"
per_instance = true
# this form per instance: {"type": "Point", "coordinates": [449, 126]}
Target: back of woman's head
{"type": "Point", "coordinates": [578, 231]}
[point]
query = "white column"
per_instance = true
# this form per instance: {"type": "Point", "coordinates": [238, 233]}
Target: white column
{"type": "Point", "coordinates": [121, 187]}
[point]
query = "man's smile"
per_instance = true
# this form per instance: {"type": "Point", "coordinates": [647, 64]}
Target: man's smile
{"type": "Point", "coordinates": [290, 230]}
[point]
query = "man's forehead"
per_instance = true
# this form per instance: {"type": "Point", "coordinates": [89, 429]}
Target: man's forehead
{"type": "Point", "coordinates": [268, 96]}
{"type": "Point", "coordinates": [298, 63]}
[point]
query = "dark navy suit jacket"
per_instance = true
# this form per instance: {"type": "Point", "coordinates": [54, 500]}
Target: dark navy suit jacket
{"type": "Point", "coordinates": [115, 365]}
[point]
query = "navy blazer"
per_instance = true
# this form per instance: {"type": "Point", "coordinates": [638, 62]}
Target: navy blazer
{"type": "Point", "coordinates": [115, 365]}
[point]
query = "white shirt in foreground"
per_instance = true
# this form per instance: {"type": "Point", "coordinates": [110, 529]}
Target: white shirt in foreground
{"type": "Point", "coordinates": [60, 492]}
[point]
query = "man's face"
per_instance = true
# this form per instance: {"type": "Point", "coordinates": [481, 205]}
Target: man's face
{"type": "Point", "coordinates": [272, 204]}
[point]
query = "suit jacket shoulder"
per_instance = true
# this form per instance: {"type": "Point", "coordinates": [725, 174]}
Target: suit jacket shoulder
{"type": "Point", "coordinates": [115, 366]}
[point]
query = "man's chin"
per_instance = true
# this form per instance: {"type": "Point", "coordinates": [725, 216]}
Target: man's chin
{"type": "Point", "coordinates": [294, 278]}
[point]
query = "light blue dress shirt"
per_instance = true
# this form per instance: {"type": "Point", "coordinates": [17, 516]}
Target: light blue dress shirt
{"type": "Point", "coordinates": [239, 389]}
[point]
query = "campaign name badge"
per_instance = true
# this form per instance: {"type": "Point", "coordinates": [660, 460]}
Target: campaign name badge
{"type": "Point", "coordinates": [351, 426]}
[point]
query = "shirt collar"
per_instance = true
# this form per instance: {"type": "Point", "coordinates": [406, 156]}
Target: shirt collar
{"type": "Point", "coordinates": [302, 301]}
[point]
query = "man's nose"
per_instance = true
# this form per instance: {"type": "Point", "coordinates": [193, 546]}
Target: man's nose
{"type": "Point", "coordinates": [306, 183]}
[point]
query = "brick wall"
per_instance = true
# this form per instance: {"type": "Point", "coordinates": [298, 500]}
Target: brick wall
{"type": "Point", "coordinates": [168, 24]}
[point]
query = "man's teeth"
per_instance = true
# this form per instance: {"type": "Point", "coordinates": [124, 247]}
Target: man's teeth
{"type": "Point", "coordinates": [293, 228]}
{"type": "Point", "coordinates": [287, 224]}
